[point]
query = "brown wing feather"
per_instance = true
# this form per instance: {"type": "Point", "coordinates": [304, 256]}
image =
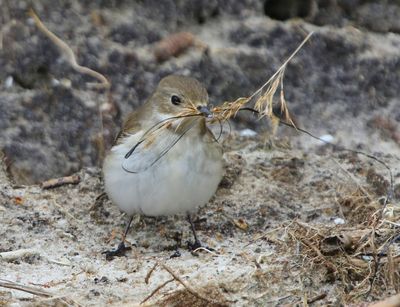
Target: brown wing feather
{"type": "Point", "coordinates": [132, 123]}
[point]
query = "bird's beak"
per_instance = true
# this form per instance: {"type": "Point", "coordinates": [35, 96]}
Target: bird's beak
{"type": "Point", "coordinates": [205, 111]}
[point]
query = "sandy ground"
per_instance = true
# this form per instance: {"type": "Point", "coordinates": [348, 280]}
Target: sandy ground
{"type": "Point", "coordinates": [247, 223]}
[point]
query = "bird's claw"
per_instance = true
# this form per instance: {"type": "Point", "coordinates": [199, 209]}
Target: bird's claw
{"type": "Point", "coordinates": [118, 252]}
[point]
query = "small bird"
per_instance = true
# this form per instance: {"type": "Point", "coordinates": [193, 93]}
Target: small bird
{"type": "Point", "coordinates": [165, 160]}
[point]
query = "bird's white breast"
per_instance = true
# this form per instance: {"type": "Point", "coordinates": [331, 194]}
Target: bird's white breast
{"type": "Point", "coordinates": [183, 179]}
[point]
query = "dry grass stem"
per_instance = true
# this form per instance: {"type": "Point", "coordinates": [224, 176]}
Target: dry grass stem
{"type": "Point", "coordinates": [264, 96]}
{"type": "Point", "coordinates": [18, 254]}
{"type": "Point", "coordinates": [156, 290]}
{"type": "Point", "coordinates": [56, 182]}
{"type": "Point", "coordinates": [149, 273]}
{"type": "Point", "coordinates": [188, 287]}
{"type": "Point", "coordinates": [37, 291]}
{"type": "Point", "coordinates": [69, 55]}
{"type": "Point", "coordinates": [29, 289]}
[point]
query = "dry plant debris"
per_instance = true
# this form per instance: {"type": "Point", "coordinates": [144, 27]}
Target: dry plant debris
{"type": "Point", "coordinates": [189, 296]}
{"type": "Point", "coordinates": [70, 56]}
{"type": "Point", "coordinates": [263, 98]}
{"type": "Point", "coordinates": [57, 299]}
{"type": "Point", "coordinates": [56, 182]}
{"type": "Point", "coordinates": [362, 256]}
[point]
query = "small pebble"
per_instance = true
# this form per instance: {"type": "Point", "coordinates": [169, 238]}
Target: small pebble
{"type": "Point", "coordinates": [327, 138]}
{"type": "Point", "coordinates": [247, 133]}
{"type": "Point", "coordinates": [9, 82]}
{"type": "Point", "coordinates": [55, 82]}
{"type": "Point", "coordinates": [339, 221]}
{"type": "Point", "coordinates": [367, 258]}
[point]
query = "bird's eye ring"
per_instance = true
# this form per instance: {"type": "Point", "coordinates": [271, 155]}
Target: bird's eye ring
{"type": "Point", "coordinates": [175, 100]}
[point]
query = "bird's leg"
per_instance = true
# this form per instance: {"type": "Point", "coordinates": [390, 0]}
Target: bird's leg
{"type": "Point", "coordinates": [121, 249]}
{"type": "Point", "coordinates": [196, 244]}
{"type": "Point", "coordinates": [178, 240]}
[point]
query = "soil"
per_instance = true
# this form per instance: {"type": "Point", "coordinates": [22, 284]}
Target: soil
{"type": "Point", "coordinates": [278, 224]}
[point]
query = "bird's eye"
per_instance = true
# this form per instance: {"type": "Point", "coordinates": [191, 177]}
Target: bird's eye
{"type": "Point", "coordinates": [175, 100]}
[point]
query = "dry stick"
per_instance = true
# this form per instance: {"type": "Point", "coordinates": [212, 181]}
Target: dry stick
{"type": "Point", "coordinates": [306, 301]}
{"type": "Point", "coordinates": [56, 182]}
{"type": "Point", "coordinates": [32, 290]}
{"type": "Point", "coordinates": [69, 54]}
{"type": "Point", "coordinates": [71, 59]}
{"type": "Point", "coordinates": [316, 298]}
{"type": "Point", "coordinates": [36, 291]}
{"type": "Point", "coordinates": [186, 285]}
{"type": "Point", "coordinates": [148, 275]}
{"type": "Point", "coordinates": [18, 254]}
{"type": "Point", "coordinates": [156, 290]}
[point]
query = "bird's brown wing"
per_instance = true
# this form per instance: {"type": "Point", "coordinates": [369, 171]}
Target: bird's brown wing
{"type": "Point", "coordinates": [154, 145]}
{"type": "Point", "coordinates": [131, 125]}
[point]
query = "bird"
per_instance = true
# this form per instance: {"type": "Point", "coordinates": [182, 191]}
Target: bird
{"type": "Point", "coordinates": [165, 160]}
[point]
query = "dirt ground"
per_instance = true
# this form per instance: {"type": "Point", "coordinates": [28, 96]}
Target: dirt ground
{"type": "Point", "coordinates": [294, 221]}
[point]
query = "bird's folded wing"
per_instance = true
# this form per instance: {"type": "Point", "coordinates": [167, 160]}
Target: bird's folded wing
{"type": "Point", "coordinates": [152, 147]}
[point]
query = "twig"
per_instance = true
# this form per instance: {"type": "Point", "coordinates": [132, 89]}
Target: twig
{"type": "Point", "coordinates": [32, 290]}
{"type": "Point", "coordinates": [148, 275]}
{"type": "Point", "coordinates": [156, 290]}
{"type": "Point", "coordinates": [69, 54]}
{"type": "Point", "coordinates": [37, 291]}
{"type": "Point", "coordinates": [306, 301]}
{"type": "Point", "coordinates": [189, 288]}
{"type": "Point", "coordinates": [56, 182]}
{"type": "Point", "coordinates": [278, 300]}
{"type": "Point", "coordinates": [18, 254]}
{"type": "Point", "coordinates": [316, 298]}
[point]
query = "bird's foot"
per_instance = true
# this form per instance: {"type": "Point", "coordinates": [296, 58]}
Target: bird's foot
{"type": "Point", "coordinates": [118, 252]}
{"type": "Point", "coordinates": [176, 254]}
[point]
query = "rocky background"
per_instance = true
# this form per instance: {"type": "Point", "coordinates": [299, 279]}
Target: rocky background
{"type": "Point", "coordinates": [49, 118]}
{"type": "Point", "coordinates": [343, 85]}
